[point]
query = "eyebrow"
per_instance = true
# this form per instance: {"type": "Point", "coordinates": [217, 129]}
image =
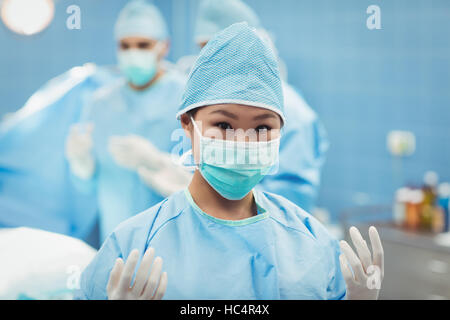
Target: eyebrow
{"type": "Point", "coordinates": [265, 116]}
{"type": "Point", "coordinates": [233, 116]}
{"type": "Point", "coordinates": [225, 113]}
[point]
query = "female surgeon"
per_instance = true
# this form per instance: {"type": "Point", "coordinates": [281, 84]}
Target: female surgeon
{"type": "Point", "coordinates": [220, 238]}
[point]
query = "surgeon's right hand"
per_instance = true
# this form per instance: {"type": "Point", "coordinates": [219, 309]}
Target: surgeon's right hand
{"type": "Point", "coordinates": [149, 283]}
{"type": "Point", "coordinates": [363, 272]}
{"type": "Point", "coordinates": [78, 150]}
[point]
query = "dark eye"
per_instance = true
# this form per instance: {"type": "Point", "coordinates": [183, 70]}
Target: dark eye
{"type": "Point", "coordinates": [224, 125]}
{"type": "Point", "coordinates": [143, 45]}
{"type": "Point", "coordinates": [124, 46]}
{"type": "Point", "coordinates": [263, 128]}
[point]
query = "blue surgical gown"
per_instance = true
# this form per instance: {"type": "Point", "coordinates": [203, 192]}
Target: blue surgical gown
{"type": "Point", "coordinates": [35, 184]}
{"type": "Point", "coordinates": [119, 110]}
{"type": "Point", "coordinates": [280, 253]}
{"type": "Point", "coordinates": [303, 148]}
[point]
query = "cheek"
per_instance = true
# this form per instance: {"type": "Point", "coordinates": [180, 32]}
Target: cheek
{"type": "Point", "coordinates": [274, 134]}
{"type": "Point", "coordinates": [208, 132]}
{"type": "Point", "coordinates": [214, 133]}
{"type": "Point", "coordinates": [195, 145]}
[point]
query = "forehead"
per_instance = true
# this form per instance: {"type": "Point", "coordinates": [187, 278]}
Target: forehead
{"type": "Point", "coordinates": [238, 110]}
{"type": "Point", "coordinates": [136, 39]}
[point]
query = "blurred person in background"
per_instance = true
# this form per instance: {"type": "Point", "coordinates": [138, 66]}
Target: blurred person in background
{"type": "Point", "coordinates": [304, 143]}
{"type": "Point", "coordinates": [120, 149]}
{"type": "Point", "coordinates": [35, 185]}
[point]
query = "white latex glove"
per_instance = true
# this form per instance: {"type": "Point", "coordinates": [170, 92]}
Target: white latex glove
{"type": "Point", "coordinates": [169, 179]}
{"type": "Point", "coordinates": [78, 150]}
{"type": "Point", "coordinates": [149, 283]}
{"type": "Point", "coordinates": [364, 283]}
{"type": "Point", "coordinates": [134, 151]}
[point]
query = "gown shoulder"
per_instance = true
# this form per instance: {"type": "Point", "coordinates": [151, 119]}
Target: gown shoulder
{"type": "Point", "coordinates": [150, 220]}
{"type": "Point", "coordinates": [291, 216]}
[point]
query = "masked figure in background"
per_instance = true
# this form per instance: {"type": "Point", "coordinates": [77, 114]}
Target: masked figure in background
{"type": "Point", "coordinates": [35, 184]}
{"type": "Point", "coordinates": [120, 151]}
{"type": "Point", "coordinates": [304, 143]}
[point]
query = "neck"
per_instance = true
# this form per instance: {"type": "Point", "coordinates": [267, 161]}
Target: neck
{"type": "Point", "coordinates": [211, 202]}
{"type": "Point", "coordinates": [158, 75]}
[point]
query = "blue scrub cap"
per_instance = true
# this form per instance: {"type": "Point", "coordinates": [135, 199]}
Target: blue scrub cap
{"type": "Point", "coordinates": [216, 15]}
{"type": "Point", "coordinates": [237, 66]}
{"type": "Point", "coordinates": [140, 19]}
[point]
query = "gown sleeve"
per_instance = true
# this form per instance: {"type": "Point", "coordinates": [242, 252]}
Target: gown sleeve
{"type": "Point", "coordinates": [87, 186]}
{"type": "Point", "coordinates": [131, 234]}
{"type": "Point", "coordinates": [95, 277]}
{"type": "Point", "coordinates": [337, 288]}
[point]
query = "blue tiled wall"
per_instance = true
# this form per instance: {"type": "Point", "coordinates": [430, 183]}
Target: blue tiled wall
{"type": "Point", "coordinates": [363, 83]}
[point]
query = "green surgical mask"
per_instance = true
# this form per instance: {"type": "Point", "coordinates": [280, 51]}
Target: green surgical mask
{"type": "Point", "coordinates": [234, 168]}
{"type": "Point", "coordinates": [139, 66]}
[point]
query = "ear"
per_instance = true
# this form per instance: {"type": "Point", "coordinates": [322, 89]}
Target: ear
{"type": "Point", "coordinates": [202, 44]}
{"type": "Point", "coordinates": [186, 124]}
{"type": "Point", "coordinates": [165, 49]}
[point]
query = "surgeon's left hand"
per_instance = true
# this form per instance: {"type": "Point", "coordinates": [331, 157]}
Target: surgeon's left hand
{"type": "Point", "coordinates": [364, 283]}
{"type": "Point", "coordinates": [149, 283]}
{"type": "Point", "coordinates": [133, 151]}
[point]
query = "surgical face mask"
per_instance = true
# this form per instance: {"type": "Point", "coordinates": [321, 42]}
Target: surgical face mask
{"type": "Point", "coordinates": [139, 66]}
{"type": "Point", "coordinates": [233, 168]}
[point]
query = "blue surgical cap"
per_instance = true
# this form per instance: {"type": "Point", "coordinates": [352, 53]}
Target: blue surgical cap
{"type": "Point", "coordinates": [235, 67]}
{"type": "Point", "coordinates": [216, 15]}
{"type": "Point", "coordinates": [140, 19]}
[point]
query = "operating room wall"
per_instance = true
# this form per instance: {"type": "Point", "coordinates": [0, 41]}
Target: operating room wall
{"type": "Point", "coordinates": [362, 83]}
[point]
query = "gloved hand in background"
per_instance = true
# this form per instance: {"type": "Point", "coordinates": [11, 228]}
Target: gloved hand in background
{"type": "Point", "coordinates": [149, 284]}
{"type": "Point", "coordinates": [78, 150]}
{"type": "Point", "coordinates": [171, 178]}
{"type": "Point", "coordinates": [133, 151]}
{"type": "Point", "coordinates": [156, 168]}
{"type": "Point", "coordinates": [364, 283]}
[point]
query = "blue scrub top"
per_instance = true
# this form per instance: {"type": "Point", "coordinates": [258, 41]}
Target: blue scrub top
{"type": "Point", "coordinates": [281, 253]}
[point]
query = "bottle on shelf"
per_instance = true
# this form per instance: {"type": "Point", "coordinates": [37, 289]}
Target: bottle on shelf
{"type": "Point", "coordinates": [430, 184]}
{"type": "Point", "coordinates": [399, 210]}
{"type": "Point", "coordinates": [444, 203]}
{"type": "Point", "coordinates": [414, 209]}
